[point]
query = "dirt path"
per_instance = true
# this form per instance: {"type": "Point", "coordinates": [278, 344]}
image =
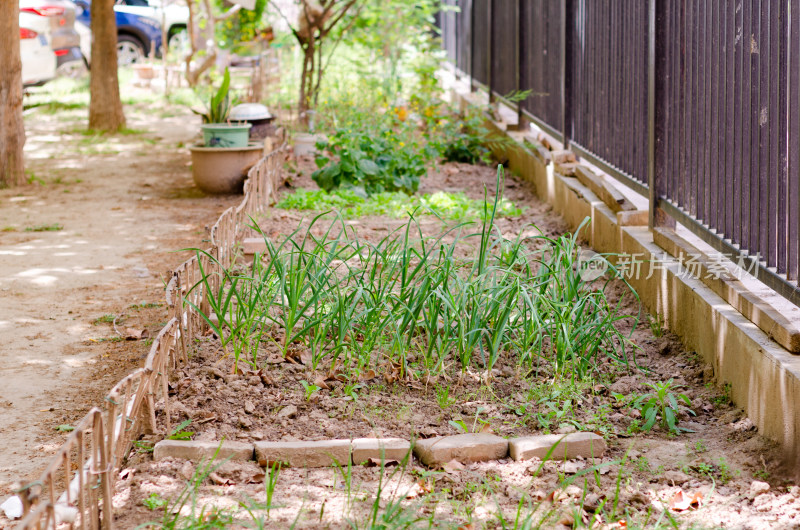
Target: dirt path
{"type": "Point", "coordinates": [90, 240]}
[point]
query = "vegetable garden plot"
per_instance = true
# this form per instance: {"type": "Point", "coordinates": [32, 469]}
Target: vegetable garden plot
{"type": "Point", "coordinates": [429, 328]}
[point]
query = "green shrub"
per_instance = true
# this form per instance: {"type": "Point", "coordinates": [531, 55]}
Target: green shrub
{"type": "Point", "coordinates": [369, 160]}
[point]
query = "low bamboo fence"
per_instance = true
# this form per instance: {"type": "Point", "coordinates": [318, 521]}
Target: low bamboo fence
{"type": "Point", "coordinates": [77, 487]}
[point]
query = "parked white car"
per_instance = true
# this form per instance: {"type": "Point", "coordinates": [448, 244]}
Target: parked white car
{"type": "Point", "coordinates": [55, 20]}
{"type": "Point", "coordinates": [38, 58]}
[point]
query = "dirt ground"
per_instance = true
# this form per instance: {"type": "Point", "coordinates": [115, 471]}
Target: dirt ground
{"type": "Point", "coordinates": [703, 478]}
{"type": "Point", "coordinates": [90, 239]}
{"type": "Point", "coordinates": [73, 292]}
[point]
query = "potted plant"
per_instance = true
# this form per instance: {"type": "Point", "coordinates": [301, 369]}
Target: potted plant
{"type": "Point", "coordinates": [218, 131]}
{"type": "Point", "coordinates": [221, 163]}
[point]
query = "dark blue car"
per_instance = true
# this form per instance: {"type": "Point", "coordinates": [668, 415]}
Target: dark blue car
{"type": "Point", "coordinates": [137, 34]}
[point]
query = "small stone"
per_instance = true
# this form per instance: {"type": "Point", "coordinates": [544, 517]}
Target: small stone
{"type": "Point", "coordinates": [245, 422]}
{"type": "Point", "coordinates": [254, 380]}
{"type": "Point", "coordinates": [323, 453]}
{"type": "Point", "coordinates": [757, 488]}
{"type": "Point", "coordinates": [675, 478]}
{"type": "Point", "coordinates": [196, 450]}
{"type": "Point", "coordinates": [763, 503]}
{"type": "Point", "coordinates": [566, 429]}
{"type": "Point", "coordinates": [380, 448]}
{"type": "Point", "coordinates": [564, 447]}
{"type": "Point", "coordinates": [574, 491]}
{"type": "Point", "coordinates": [464, 448]}
{"type": "Point", "coordinates": [249, 408]}
{"type": "Point", "coordinates": [289, 411]}
{"type": "Point", "coordinates": [592, 502]}
{"type": "Point", "coordinates": [794, 491]}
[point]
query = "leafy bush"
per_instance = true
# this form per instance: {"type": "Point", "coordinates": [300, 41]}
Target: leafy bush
{"type": "Point", "coordinates": [370, 160]}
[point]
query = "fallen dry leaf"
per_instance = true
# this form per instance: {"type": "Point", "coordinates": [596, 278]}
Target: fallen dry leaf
{"type": "Point", "coordinates": [682, 501]}
{"type": "Point", "coordinates": [486, 429]}
{"type": "Point", "coordinates": [320, 382]}
{"type": "Point", "coordinates": [136, 334]}
{"type": "Point", "coordinates": [219, 481]}
{"type": "Point", "coordinates": [453, 466]}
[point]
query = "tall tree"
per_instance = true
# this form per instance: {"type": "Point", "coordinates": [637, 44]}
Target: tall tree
{"type": "Point", "coordinates": [315, 22]}
{"type": "Point", "coordinates": [105, 106]}
{"type": "Point", "coordinates": [12, 129]}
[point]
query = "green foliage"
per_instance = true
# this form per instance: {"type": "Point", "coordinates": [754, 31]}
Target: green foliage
{"type": "Point", "coordinates": [55, 227]}
{"type": "Point", "coordinates": [241, 27]}
{"type": "Point", "coordinates": [452, 206]}
{"type": "Point", "coordinates": [369, 160]}
{"type": "Point", "coordinates": [219, 105]}
{"type": "Point", "coordinates": [178, 433]}
{"type": "Point", "coordinates": [398, 38]}
{"type": "Point", "coordinates": [65, 428]}
{"type": "Point", "coordinates": [309, 389]}
{"type": "Point", "coordinates": [664, 404]}
{"type": "Point", "coordinates": [154, 501]}
{"type": "Point", "coordinates": [467, 295]}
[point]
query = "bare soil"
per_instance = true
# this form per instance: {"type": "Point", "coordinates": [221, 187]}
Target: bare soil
{"type": "Point", "coordinates": [702, 478]}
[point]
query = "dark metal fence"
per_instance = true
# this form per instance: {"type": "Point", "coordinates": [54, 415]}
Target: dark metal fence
{"type": "Point", "coordinates": [694, 103]}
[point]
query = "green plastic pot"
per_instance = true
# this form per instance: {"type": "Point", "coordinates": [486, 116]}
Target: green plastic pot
{"type": "Point", "coordinates": [226, 134]}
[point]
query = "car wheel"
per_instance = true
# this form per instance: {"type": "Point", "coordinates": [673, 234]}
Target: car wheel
{"type": "Point", "coordinates": [129, 50]}
{"type": "Point", "coordinates": [178, 41]}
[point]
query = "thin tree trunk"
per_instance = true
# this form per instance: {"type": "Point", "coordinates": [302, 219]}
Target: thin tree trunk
{"type": "Point", "coordinates": [12, 128]}
{"type": "Point", "coordinates": [105, 106]}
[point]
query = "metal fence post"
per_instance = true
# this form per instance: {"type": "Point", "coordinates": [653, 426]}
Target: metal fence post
{"type": "Point", "coordinates": [518, 61]}
{"type": "Point", "coordinates": [489, 77]}
{"type": "Point", "coordinates": [471, 43]}
{"type": "Point", "coordinates": [655, 98]}
{"type": "Point", "coordinates": [567, 18]}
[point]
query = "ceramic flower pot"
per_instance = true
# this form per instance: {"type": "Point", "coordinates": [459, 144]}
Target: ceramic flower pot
{"type": "Point", "coordinates": [226, 134]}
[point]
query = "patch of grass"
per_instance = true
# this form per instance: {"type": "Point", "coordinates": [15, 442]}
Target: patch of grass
{"type": "Point", "coordinates": [55, 106]}
{"type": "Point", "coordinates": [9, 228]}
{"type": "Point", "coordinates": [145, 305]}
{"type": "Point", "coordinates": [55, 227]}
{"type": "Point", "coordinates": [452, 206]}
{"type": "Point", "coordinates": [105, 319]}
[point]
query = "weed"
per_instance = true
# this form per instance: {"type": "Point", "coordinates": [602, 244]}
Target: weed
{"type": "Point", "coordinates": [309, 388]}
{"type": "Point", "coordinates": [154, 501]}
{"type": "Point", "coordinates": [9, 228]}
{"type": "Point", "coordinates": [663, 403]}
{"type": "Point", "coordinates": [697, 448]}
{"type": "Point", "coordinates": [478, 424]}
{"type": "Point", "coordinates": [105, 319]}
{"type": "Point", "coordinates": [65, 428]}
{"type": "Point", "coordinates": [657, 326]}
{"type": "Point", "coordinates": [144, 446]}
{"type": "Point", "coordinates": [443, 396]}
{"type": "Point", "coordinates": [178, 433]}
{"type": "Point", "coordinates": [725, 398]}
{"type": "Point", "coordinates": [55, 227]}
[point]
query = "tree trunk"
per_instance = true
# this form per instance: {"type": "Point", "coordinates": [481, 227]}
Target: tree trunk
{"type": "Point", "coordinates": [12, 128]}
{"type": "Point", "coordinates": [105, 106]}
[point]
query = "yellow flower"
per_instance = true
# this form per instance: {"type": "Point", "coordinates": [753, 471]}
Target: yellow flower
{"type": "Point", "coordinates": [402, 144]}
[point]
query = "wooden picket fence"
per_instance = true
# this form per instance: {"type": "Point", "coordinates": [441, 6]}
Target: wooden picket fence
{"type": "Point", "coordinates": [76, 488]}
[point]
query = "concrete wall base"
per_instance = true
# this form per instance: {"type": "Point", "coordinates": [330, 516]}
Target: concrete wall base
{"type": "Point", "coordinates": [764, 377]}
